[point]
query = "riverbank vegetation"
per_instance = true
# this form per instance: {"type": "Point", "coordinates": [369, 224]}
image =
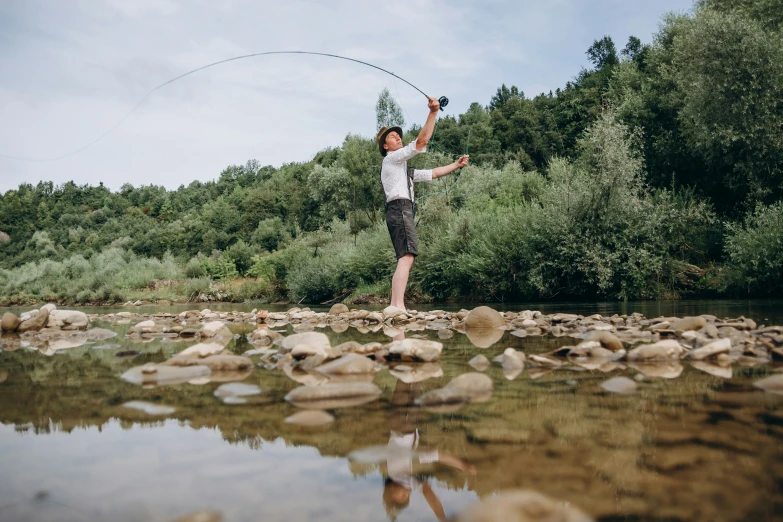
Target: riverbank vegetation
{"type": "Point", "coordinates": [655, 173]}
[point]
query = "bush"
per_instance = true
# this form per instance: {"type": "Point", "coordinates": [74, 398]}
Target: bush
{"type": "Point", "coordinates": [755, 249]}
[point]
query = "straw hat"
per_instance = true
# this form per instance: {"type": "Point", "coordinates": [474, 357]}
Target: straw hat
{"type": "Point", "coordinates": [381, 137]}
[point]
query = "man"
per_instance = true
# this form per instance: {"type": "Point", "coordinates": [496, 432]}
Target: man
{"type": "Point", "coordinates": [397, 182]}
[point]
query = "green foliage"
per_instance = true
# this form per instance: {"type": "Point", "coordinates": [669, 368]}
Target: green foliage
{"type": "Point", "coordinates": [387, 112]}
{"type": "Point", "coordinates": [602, 188]}
{"type": "Point", "coordinates": [755, 249]}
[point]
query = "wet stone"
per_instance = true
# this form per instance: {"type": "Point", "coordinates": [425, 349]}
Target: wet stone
{"type": "Point", "coordinates": [310, 418]}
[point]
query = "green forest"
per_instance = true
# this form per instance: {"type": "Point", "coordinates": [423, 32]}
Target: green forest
{"type": "Point", "coordinates": [656, 173]}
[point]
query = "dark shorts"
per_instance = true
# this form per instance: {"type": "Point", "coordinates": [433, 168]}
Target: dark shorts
{"type": "Point", "coordinates": [402, 229]}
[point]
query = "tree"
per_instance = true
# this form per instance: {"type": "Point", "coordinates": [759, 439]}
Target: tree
{"type": "Point", "coordinates": [503, 96]}
{"type": "Point", "coordinates": [387, 112]}
{"type": "Point", "coordinates": [603, 53]}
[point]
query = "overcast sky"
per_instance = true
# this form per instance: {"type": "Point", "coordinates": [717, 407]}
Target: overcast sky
{"type": "Point", "coordinates": [71, 69]}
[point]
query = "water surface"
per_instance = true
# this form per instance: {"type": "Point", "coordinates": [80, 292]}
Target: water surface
{"type": "Point", "coordinates": [694, 447]}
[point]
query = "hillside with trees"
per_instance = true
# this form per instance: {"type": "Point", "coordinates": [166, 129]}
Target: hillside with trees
{"type": "Point", "coordinates": [657, 172]}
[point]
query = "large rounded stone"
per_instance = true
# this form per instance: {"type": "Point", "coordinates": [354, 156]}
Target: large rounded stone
{"type": "Point", "coordinates": [521, 506]}
{"type": "Point", "coordinates": [472, 384]}
{"type": "Point", "coordinates": [10, 322]}
{"type": "Point", "coordinates": [310, 418]}
{"type": "Point", "coordinates": [484, 337]}
{"type": "Point", "coordinates": [416, 350]}
{"type": "Point", "coordinates": [607, 339]}
{"type": "Point", "coordinates": [68, 319]}
{"type": "Point", "coordinates": [316, 340]}
{"type": "Point", "coordinates": [484, 317]}
{"type": "Point", "coordinates": [686, 324]}
{"type": "Point", "coordinates": [34, 323]}
{"type": "Point", "coordinates": [660, 351]}
{"type": "Point", "coordinates": [338, 308]}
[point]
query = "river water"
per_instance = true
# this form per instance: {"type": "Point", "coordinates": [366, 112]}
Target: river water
{"type": "Point", "coordinates": [689, 445]}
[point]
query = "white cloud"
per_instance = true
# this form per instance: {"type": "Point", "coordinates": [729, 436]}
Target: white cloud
{"type": "Point", "coordinates": [71, 71]}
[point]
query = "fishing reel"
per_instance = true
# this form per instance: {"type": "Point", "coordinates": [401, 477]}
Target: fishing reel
{"type": "Point", "coordinates": [443, 102]}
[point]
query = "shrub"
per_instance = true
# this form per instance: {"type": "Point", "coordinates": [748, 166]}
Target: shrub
{"type": "Point", "coordinates": [755, 249]}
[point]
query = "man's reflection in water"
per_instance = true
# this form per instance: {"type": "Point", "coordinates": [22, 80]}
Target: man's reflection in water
{"type": "Point", "coordinates": [404, 450]}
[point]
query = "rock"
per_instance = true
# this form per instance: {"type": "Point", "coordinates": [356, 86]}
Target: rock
{"type": "Point", "coordinates": [150, 408]}
{"type": "Point", "coordinates": [467, 387]}
{"type": "Point", "coordinates": [519, 333]}
{"type": "Point", "coordinates": [417, 373]}
{"type": "Point", "coordinates": [201, 350]}
{"type": "Point", "coordinates": [713, 369]}
{"type": "Point", "coordinates": [9, 323]}
{"type": "Point", "coordinates": [687, 324]}
{"type": "Point", "coordinates": [64, 344]}
{"type": "Point", "coordinates": [390, 312]}
{"type": "Point", "coordinates": [472, 384]}
{"type": "Point", "coordinates": [333, 395]}
{"type": "Point", "coordinates": [444, 333]}
{"type": "Point", "coordinates": [236, 390]}
{"type": "Point", "coordinates": [49, 306]}
{"type": "Point", "coordinates": [157, 375]}
{"type": "Point", "coordinates": [592, 349]}
{"type": "Point", "coordinates": [310, 418]}
{"type": "Point", "coordinates": [662, 369]}
{"type": "Point", "coordinates": [350, 364]}
{"type": "Point", "coordinates": [100, 334]}
{"type": "Point", "coordinates": [660, 351]}
{"type": "Point", "coordinates": [416, 350]}
{"type": "Point", "coordinates": [479, 362]}
{"type": "Point", "coordinates": [223, 362]}
{"type": "Point", "coordinates": [710, 331]}
{"type": "Point", "coordinates": [511, 360]}
{"type": "Point", "coordinates": [202, 515]}
{"type": "Point", "coordinates": [262, 337]}
{"type": "Point", "coordinates": [711, 349]}
{"type": "Point", "coordinates": [607, 339]}
{"type": "Point", "coordinates": [144, 327]}
{"type": "Point", "coordinates": [316, 341]}
{"type": "Point", "coordinates": [484, 317]}
{"type": "Point", "coordinates": [620, 385]}
{"type": "Point", "coordinates": [213, 329]}
{"type": "Point", "coordinates": [521, 506]}
{"type": "Point", "coordinates": [34, 323]}
{"type": "Point", "coordinates": [338, 308]}
{"type": "Point", "coordinates": [484, 337]}
{"type": "Point", "coordinates": [771, 384]}
{"type": "Point", "coordinates": [68, 319]}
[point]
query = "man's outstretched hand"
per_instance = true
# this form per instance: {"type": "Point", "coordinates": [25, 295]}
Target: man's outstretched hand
{"type": "Point", "coordinates": [463, 161]}
{"type": "Point", "coordinates": [433, 104]}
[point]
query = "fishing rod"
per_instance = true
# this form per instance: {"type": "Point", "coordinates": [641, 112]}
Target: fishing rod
{"type": "Point", "coordinates": [443, 100]}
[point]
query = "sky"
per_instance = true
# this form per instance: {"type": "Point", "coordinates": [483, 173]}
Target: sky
{"type": "Point", "coordinates": [70, 70]}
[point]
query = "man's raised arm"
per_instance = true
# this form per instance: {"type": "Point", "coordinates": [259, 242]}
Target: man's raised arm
{"type": "Point", "coordinates": [429, 127]}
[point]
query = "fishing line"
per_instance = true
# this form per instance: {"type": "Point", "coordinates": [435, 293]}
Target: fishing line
{"type": "Point", "coordinates": [443, 100]}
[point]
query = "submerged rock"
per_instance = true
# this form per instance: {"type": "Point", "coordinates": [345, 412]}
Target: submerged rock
{"type": "Point", "coordinates": [223, 362]}
{"type": "Point", "coordinates": [349, 364]}
{"type": "Point", "coordinates": [333, 395]}
{"type": "Point", "coordinates": [771, 384]}
{"type": "Point", "coordinates": [416, 350]}
{"type": "Point", "coordinates": [310, 418]}
{"type": "Point", "coordinates": [479, 362]}
{"type": "Point", "coordinates": [235, 392]}
{"type": "Point", "coordinates": [620, 385]}
{"type": "Point", "coordinates": [157, 375]}
{"type": "Point", "coordinates": [484, 337]}
{"type": "Point", "coordinates": [201, 350]}
{"type": "Point", "coordinates": [150, 408]}
{"type": "Point", "coordinates": [660, 351]}
{"type": "Point", "coordinates": [521, 506]}
{"type": "Point", "coordinates": [417, 372]}
{"type": "Point", "coordinates": [467, 387]}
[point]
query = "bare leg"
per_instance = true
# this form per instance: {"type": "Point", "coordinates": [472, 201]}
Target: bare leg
{"type": "Point", "coordinates": [400, 280]}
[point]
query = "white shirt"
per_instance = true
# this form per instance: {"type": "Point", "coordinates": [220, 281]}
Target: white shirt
{"type": "Point", "coordinates": [394, 172]}
{"type": "Point", "coordinates": [402, 451]}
